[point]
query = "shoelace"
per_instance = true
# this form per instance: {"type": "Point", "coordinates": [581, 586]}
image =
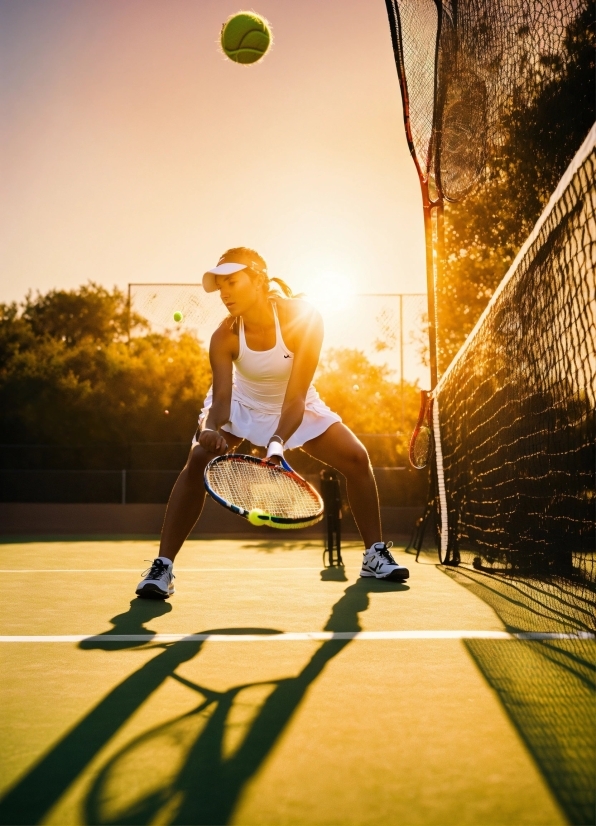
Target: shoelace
{"type": "Point", "coordinates": [386, 553]}
{"type": "Point", "coordinates": [155, 570]}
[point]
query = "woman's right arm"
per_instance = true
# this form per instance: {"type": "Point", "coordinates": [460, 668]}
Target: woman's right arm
{"type": "Point", "coordinates": [220, 356]}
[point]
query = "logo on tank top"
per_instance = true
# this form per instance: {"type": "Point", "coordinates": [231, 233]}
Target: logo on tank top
{"type": "Point", "coordinates": [287, 357]}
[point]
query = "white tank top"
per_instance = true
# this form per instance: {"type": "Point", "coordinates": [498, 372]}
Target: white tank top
{"type": "Point", "coordinates": [261, 376]}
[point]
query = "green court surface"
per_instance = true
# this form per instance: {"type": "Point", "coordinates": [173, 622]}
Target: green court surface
{"type": "Point", "coordinates": [265, 723]}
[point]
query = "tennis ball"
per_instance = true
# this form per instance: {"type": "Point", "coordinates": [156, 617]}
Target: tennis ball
{"type": "Point", "coordinates": [254, 517]}
{"type": "Point", "coordinates": [245, 37]}
{"type": "Point", "coordinates": [178, 316]}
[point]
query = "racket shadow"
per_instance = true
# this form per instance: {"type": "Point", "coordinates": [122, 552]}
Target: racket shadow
{"type": "Point", "coordinates": [205, 781]}
{"type": "Point", "coordinates": [210, 782]}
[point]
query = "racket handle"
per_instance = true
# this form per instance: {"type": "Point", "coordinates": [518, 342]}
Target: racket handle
{"type": "Point", "coordinates": [275, 449]}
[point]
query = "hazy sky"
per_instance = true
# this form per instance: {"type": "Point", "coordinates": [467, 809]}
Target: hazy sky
{"type": "Point", "coordinates": [132, 150]}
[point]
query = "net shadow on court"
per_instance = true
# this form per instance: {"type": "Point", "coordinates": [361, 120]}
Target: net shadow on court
{"type": "Point", "coordinates": [206, 786]}
{"type": "Point", "coordinates": [547, 688]}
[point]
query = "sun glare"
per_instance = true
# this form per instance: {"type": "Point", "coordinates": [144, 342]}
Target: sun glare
{"type": "Point", "coordinates": [330, 293]}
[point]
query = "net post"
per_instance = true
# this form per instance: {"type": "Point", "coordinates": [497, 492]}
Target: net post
{"type": "Point", "coordinates": [438, 264]}
{"type": "Point", "coordinates": [428, 206]}
{"type": "Point", "coordinates": [441, 511]}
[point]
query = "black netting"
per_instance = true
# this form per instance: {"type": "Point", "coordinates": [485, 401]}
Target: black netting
{"type": "Point", "coordinates": [517, 406]}
{"type": "Point", "coordinates": [414, 28]}
{"type": "Point", "coordinates": [494, 58]}
{"type": "Point", "coordinates": [156, 304]}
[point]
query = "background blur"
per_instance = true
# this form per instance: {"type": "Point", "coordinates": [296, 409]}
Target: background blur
{"type": "Point", "coordinates": [134, 151]}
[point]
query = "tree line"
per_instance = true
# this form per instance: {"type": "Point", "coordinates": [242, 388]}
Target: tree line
{"type": "Point", "coordinates": [70, 375]}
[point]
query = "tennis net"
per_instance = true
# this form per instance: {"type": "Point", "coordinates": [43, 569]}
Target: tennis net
{"type": "Point", "coordinates": [514, 414]}
{"type": "Point", "coordinates": [470, 72]}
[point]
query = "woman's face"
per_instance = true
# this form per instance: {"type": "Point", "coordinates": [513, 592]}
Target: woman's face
{"type": "Point", "coordinates": [238, 291]}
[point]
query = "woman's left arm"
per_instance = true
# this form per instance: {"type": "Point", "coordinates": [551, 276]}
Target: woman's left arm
{"type": "Point", "coordinates": [306, 327]}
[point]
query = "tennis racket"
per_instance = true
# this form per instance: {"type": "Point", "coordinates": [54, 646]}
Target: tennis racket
{"type": "Point", "coordinates": [421, 443]}
{"type": "Point", "coordinates": [263, 492]}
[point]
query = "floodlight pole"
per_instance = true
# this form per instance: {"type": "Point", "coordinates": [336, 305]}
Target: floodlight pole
{"type": "Point", "coordinates": [400, 297]}
{"type": "Point", "coordinates": [128, 317]}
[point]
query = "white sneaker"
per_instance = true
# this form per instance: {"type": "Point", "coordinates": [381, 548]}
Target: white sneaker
{"type": "Point", "coordinates": [158, 581]}
{"type": "Point", "coordinates": [379, 562]}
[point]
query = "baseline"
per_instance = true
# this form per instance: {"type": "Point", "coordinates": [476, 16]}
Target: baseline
{"type": "Point", "coordinates": [305, 636]}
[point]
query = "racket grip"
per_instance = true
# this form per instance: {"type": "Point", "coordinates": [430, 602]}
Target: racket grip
{"type": "Point", "coordinates": [275, 449]}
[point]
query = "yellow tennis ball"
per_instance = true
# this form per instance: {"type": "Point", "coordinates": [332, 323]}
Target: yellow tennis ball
{"type": "Point", "coordinates": [245, 37]}
{"type": "Point", "coordinates": [178, 316]}
{"type": "Point", "coordinates": [254, 514]}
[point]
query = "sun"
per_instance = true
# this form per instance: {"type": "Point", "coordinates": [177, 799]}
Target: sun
{"type": "Point", "coordinates": [330, 293]}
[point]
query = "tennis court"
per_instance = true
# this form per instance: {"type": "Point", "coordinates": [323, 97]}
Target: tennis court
{"type": "Point", "coordinates": [274, 690]}
{"type": "Point", "coordinates": [284, 714]}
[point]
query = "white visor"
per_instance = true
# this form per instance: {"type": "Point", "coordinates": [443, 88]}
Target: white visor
{"type": "Point", "coordinates": [209, 283]}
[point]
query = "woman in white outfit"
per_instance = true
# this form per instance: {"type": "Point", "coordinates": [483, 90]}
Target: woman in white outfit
{"type": "Point", "coordinates": [263, 357]}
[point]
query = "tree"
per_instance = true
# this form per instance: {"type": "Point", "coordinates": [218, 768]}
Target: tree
{"type": "Point", "coordinates": [368, 400]}
{"type": "Point", "coordinates": [68, 375]}
{"type": "Point", "coordinates": [484, 232]}
{"type": "Point", "coordinates": [72, 316]}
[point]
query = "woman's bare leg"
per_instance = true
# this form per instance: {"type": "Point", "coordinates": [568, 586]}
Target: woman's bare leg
{"type": "Point", "coordinates": [339, 448]}
{"type": "Point", "coordinates": [187, 499]}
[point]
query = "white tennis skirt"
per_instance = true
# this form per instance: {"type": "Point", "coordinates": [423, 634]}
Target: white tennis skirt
{"type": "Point", "coordinates": [258, 427]}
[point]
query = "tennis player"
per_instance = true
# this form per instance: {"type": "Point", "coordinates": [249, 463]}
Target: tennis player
{"type": "Point", "coordinates": [263, 357]}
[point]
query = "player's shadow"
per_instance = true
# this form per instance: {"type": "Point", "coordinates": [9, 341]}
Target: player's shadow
{"type": "Point", "coordinates": [334, 573]}
{"type": "Point", "coordinates": [203, 778]}
{"type": "Point", "coordinates": [130, 623]}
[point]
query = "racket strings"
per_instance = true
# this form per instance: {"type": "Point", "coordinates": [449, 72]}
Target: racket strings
{"type": "Point", "coordinates": [421, 447]}
{"type": "Point", "coordinates": [251, 486]}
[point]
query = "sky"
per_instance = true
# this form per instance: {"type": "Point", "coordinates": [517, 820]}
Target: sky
{"type": "Point", "coordinates": [133, 150]}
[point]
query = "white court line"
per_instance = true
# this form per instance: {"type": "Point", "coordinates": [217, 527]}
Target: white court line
{"type": "Point", "coordinates": [309, 635]}
{"type": "Point", "coordinates": [136, 570]}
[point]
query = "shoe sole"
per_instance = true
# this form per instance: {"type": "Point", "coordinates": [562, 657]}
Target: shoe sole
{"type": "Point", "coordinates": [152, 592]}
{"type": "Point", "coordinates": [394, 576]}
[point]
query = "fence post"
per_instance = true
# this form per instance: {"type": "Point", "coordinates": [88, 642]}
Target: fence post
{"type": "Point", "coordinates": [124, 486]}
{"type": "Point", "coordinates": [401, 361]}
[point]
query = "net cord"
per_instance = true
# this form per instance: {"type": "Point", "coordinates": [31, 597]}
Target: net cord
{"type": "Point", "coordinates": [581, 155]}
{"type": "Point", "coordinates": [443, 513]}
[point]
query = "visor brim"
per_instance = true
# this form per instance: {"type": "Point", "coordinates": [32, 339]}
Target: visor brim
{"type": "Point", "coordinates": [209, 283]}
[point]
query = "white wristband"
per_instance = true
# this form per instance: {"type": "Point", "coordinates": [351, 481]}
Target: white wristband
{"type": "Point", "coordinates": [275, 449]}
{"type": "Point", "coordinates": [210, 429]}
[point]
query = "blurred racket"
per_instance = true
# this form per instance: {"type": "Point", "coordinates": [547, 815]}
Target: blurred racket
{"type": "Point", "coordinates": [263, 492]}
{"type": "Point", "coordinates": [421, 443]}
